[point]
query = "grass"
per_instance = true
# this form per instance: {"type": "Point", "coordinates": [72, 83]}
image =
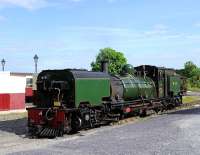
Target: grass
{"type": "Point", "coordinates": [13, 116]}
{"type": "Point", "coordinates": [196, 89]}
{"type": "Point", "coordinates": [189, 99]}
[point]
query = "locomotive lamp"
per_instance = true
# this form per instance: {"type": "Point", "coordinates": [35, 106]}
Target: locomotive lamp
{"type": "Point", "coordinates": [3, 62]}
{"type": "Point", "coordinates": [36, 61]}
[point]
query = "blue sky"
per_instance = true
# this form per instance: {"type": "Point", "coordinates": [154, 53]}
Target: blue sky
{"type": "Point", "coordinates": [69, 33]}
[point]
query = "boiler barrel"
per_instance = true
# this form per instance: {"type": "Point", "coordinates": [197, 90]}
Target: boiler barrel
{"type": "Point", "coordinates": [136, 87]}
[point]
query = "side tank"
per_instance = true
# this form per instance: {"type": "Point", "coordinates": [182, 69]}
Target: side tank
{"type": "Point", "coordinates": [130, 87]}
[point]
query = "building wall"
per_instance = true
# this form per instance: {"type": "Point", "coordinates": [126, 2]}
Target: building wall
{"type": "Point", "coordinates": [12, 91]}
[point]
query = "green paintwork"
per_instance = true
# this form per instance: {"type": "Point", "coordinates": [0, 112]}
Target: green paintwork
{"type": "Point", "coordinates": [148, 88]}
{"type": "Point", "coordinates": [134, 87]}
{"type": "Point", "coordinates": [91, 90]}
{"type": "Point", "coordinates": [161, 87]}
{"type": "Point", "coordinates": [175, 84]}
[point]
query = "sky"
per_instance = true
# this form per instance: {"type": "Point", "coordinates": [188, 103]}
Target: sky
{"type": "Point", "coordinates": [69, 33]}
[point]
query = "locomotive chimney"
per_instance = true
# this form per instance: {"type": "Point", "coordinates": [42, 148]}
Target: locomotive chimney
{"type": "Point", "coordinates": [104, 66]}
{"type": "Point", "coordinates": [144, 70]}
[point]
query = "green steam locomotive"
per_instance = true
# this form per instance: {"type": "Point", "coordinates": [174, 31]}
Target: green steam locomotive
{"type": "Point", "coordinates": [69, 100]}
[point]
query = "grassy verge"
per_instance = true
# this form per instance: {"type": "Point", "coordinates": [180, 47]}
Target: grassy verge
{"type": "Point", "coordinates": [195, 89]}
{"type": "Point", "coordinates": [13, 116]}
{"type": "Point", "coordinates": [190, 99]}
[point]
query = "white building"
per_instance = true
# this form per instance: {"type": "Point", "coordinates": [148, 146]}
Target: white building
{"type": "Point", "coordinates": [13, 89]}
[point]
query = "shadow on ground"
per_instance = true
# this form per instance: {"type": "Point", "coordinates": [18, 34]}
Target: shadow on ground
{"type": "Point", "coordinates": [17, 126]}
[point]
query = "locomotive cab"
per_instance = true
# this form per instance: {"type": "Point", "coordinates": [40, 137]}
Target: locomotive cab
{"type": "Point", "coordinates": [167, 82]}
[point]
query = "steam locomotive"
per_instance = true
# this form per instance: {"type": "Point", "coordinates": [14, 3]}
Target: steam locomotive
{"type": "Point", "coordinates": [70, 100]}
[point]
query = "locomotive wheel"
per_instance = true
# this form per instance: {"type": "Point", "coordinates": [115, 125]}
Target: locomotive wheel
{"type": "Point", "coordinates": [76, 123]}
{"type": "Point", "coordinates": [122, 115]}
{"type": "Point", "coordinates": [143, 113]}
{"type": "Point", "coordinates": [68, 123]}
{"type": "Point", "coordinates": [156, 110]}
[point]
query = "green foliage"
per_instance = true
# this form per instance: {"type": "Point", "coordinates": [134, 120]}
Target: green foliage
{"type": "Point", "coordinates": [190, 69]}
{"type": "Point", "coordinates": [192, 73]}
{"type": "Point", "coordinates": [116, 60]}
{"type": "Point", "coordinates": [190, 99]}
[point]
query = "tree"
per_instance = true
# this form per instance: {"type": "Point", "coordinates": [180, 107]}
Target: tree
{"type": "Point", "coordinates": [190, 69]}
{"type": "Point", "coordinates": [116, 60]}
{"type": "Point", "coordinates": [195, 79]}
{"type": "Point", "coordinates": [192, 73]}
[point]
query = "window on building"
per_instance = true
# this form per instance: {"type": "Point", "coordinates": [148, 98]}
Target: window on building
{"type": "Point", "coordinates": [29, 82]}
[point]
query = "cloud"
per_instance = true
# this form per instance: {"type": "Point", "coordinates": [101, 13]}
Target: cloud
{"type": "Point", "coordinates": [38, 4]}
{"type": "Point", "coordinates": [27, 4]}
{"type": "Point", "coordinates": [102, 31]}
{"type": "Point", "coordinates": [158, 29]}
{"type": "Point", "coordinates": [95, 28]}
{"type": "Point", "coordinates": [164, 47]}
